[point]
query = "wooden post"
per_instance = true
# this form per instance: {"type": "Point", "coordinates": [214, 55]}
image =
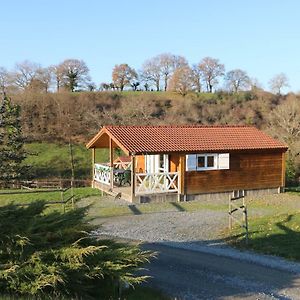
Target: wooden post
{"type": "Point", "coordinates": [62, 200]}
{"type": "Point", "coordinates": [283, 171]}
{"type": "Point", "coordinates": [72, 170]}
{"type": "Point", "coordinates": [229, 211]}
{"type": "Point", "coordinates": [181, 171]}
{"type": "Point", "coordinates": [93, 166]}
{"type": "Point", "coordinates": [111, 163]}
{"type": "Point", "coordinates": [132, 177]}
{"type": "Point", "coordinates": [245, 218]}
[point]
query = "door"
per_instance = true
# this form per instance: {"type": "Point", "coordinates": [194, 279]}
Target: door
{"type": "Point", "coordinates": [157, 163]}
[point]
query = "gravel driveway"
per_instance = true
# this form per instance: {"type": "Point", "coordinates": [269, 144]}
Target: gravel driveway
{"type": "Point", "coordinates": [168, 226]}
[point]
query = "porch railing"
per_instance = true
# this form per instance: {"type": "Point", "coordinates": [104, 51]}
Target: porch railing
{"type": "Point", "coordinates": [102, 173]}
{"type": "Point", "coordinates": [153, 183]}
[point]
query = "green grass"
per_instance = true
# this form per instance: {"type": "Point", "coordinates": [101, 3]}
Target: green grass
{"type": "Point", "coordinates": [28, 197]}
{"type": "Point", "coordinates": [53, 160]}
{"type": "Point", "coordinates": [105, 209]}
{"type": "Point", "coordinates": [276, 235]}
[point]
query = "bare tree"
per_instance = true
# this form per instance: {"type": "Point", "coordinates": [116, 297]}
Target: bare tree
{"type": "Point", "coordinates": [5, 79]}
{"type": "Point", "coordinates": [196, 78]}
{"type": "Point", "coordinates": [211, 69]}
{"type": "Point", "coordinates": [45, 76]}
{"type": "Point", "coordinates": [123, 75]}
{"type": "Point", "coordinates": [237, 80]}
{"type": "Point", "coordinates": [74, 74]}
{"type": "Point", "coordinates": [181, 80]}
{"type": "Point", "coordinates": [285, 120]}
{"type": "Point", "coordinates": [151, 72]}
{"type": "Point", "coordinates": [168, 64]}
{"type": "Point", "coordinates": [24, 73]}
{"type": "Point", "coordinates": [278, 82]}
{"type": "Point", "coordinates": [58, 72]}
{"type": "Point", "coordinates": [284, 123]}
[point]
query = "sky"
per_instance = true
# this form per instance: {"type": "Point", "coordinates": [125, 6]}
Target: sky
{"type": "Point", "coordinates": [261, 37]}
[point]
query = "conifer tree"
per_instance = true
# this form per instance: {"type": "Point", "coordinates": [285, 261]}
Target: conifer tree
{"type": "Point", "coordinates": [53, 255]}
{"type": "Point", "coordinates": [12, 152]}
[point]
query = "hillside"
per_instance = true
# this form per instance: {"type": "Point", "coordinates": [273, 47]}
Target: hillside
{"type": "Point", "coordinates": [56, 118]}
{"type": "Point", "coordinates": [59, 116]}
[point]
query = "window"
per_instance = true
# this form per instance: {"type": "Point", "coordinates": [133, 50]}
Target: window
{"type": "Point", "coordinates": [201, 162]}
{"type": "Point", "coordinates": [208, 161]}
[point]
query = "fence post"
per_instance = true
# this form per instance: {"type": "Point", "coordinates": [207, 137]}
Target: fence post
{"type": "Point", "coordinates": [72, 170]}
{"type": "Point", "coordinates": [62, 199]}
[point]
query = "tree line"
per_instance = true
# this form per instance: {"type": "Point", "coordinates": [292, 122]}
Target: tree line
{"type": "Point", "coordinates": [160, 73]}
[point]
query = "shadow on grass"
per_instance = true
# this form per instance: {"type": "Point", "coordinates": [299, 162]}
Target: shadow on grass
{"type": "Point", "coordinates": [178, 206]}
{"type": "Point", "coordinates": [277, 239]}
{"type": "Point", "coordinates": [134, 209]}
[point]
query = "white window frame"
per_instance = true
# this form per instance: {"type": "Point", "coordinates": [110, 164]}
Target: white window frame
{"type": "Point", "coordinates": [214, 155]}
{"type": "Point", "coordinates": [219, 164]}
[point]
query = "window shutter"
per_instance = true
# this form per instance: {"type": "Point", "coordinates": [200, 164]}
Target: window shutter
{"type": "Point", "coordinates": [223, 161]}
{"type": "Point", "coordinates": [191, 162]}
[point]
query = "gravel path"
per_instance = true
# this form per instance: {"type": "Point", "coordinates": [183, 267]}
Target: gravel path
{"type": "Point", "coordinates": [169, 226]}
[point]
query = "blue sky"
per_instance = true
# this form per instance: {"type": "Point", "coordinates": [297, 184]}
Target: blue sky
{"type": "Point", "coordinates": [261, 37]}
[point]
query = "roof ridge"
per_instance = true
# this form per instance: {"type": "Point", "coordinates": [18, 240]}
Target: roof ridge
{"type": "Point", "coordinates": [181, 126]}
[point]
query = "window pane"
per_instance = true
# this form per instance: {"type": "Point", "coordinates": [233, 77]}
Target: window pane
{"type": "Point", "coordinates": [201, 161]}
{"type": "Point", "coordinates": [161, 161]}
{"type": "Point", "coordinates": [210, 161]}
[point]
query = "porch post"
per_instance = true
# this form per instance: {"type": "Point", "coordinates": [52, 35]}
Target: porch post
{"type": "Point", "coordinates": [111, 163]}
{"type": "Point", "coordinates": [93, 166]}
{"type": "Point", "coordinates": [181, 171]}
{"type": "Point", "coordinates": [132, 177]}
{"type": "Point", "coordinates": [281, 189]}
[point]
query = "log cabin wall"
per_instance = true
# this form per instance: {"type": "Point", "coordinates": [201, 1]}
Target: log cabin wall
{"type": "Point", "coordinates": [247, 171]}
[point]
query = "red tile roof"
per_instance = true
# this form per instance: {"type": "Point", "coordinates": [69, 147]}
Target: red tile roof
{"type": "Point", "coordinates": [189, 138]}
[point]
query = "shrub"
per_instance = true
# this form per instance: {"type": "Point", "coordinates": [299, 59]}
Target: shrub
{"type": "Point", "coordinates": [53, 256]}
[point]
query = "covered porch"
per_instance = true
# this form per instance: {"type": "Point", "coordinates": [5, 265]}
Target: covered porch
{"type": "Point", "coordinates": [134, 175]}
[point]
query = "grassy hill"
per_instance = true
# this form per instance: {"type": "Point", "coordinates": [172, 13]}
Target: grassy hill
{"type": "Point", "coordinates": [53, 160]}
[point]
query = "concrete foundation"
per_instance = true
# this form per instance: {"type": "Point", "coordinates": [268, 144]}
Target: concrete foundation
{"type": "Point", "coordinates": [125, 193]}
{"type": "Point", "coordinates": [216, 197]}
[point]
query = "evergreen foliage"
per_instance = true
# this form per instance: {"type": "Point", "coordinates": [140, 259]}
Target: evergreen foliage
{"type": "Point", "coordinates": [54, 256]}
{"type": "Point", "coordinates": [12, 152]}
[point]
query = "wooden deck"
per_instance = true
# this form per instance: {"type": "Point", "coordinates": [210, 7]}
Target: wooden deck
{"type": "Point", "coordinates": [123, 192]}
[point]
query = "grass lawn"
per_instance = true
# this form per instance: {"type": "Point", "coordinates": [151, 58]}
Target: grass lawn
{"type": "Point", "coordinates": [26, 197]}
{"type": "Point", "coordinates": [53, 160]}
{"type": "Point", "coordinates": [276, 231]}
{"type": "Point", "coordinates": [101, 208]}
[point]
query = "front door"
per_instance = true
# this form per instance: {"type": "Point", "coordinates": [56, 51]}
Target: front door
{"type": "Point", "coordinates": [157, 163]}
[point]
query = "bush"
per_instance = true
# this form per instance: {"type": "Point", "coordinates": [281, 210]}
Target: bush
{"type": "Point", "coordinates": [53, 256]}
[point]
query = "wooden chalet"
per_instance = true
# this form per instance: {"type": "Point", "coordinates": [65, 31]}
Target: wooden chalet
{"type": "Point", "coordinates": [170, 163]}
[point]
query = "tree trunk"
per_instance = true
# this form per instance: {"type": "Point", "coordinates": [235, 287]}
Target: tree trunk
{"type": "Point", "coordinates": [166, 82]}
{"type": "Point", "coordinates": [157, 85]}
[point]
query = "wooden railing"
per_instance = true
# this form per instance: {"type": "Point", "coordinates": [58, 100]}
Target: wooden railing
{"type": "Point", "coordinates": [153, 183]}
{"type": "Point", "coordinates": [102, 173]}
{"type": "Point", "coordinates": [122, 165]}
